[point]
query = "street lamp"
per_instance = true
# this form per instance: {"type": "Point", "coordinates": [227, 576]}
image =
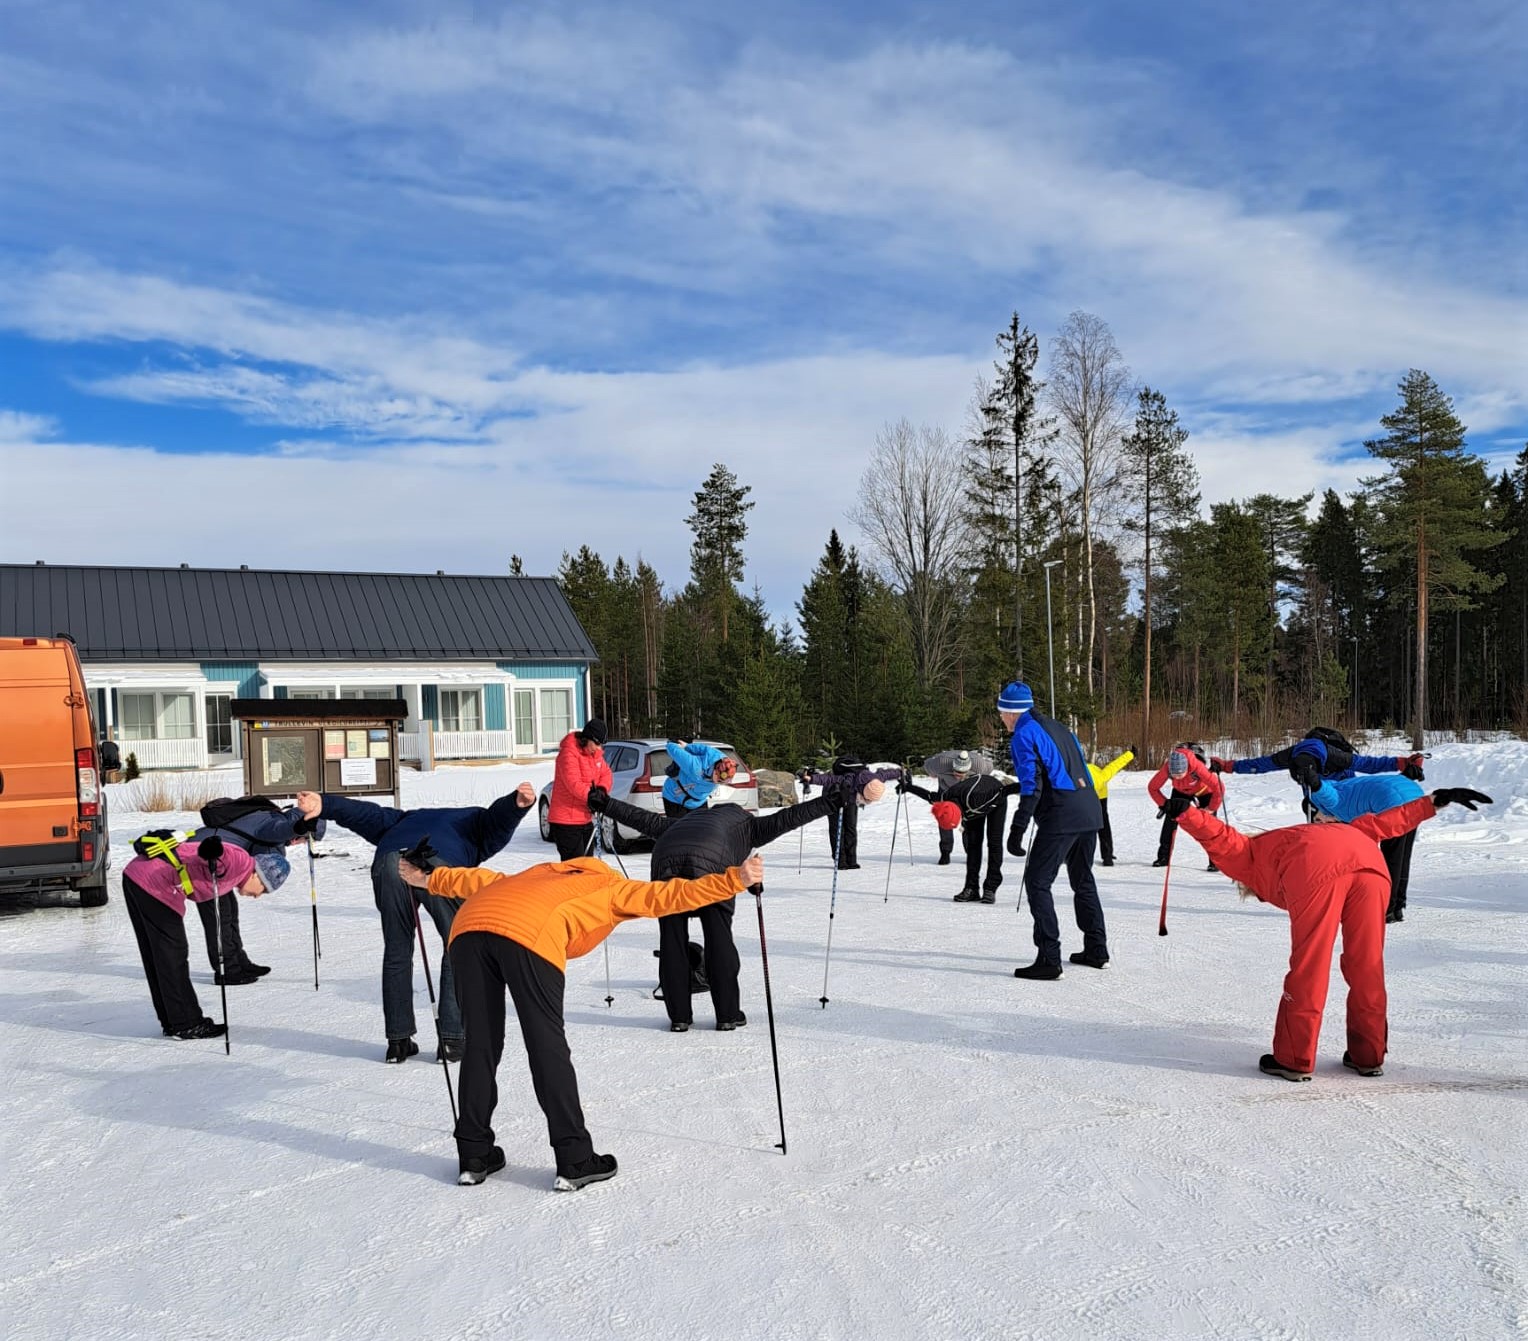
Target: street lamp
{"type": "Point", "coordinates": [1356, 723]}
{"type": "Point", "coordinates": [1050, 642]}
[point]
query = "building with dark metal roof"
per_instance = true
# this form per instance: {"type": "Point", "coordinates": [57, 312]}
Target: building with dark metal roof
{"type": "Point", "coordinates": [491, 667]}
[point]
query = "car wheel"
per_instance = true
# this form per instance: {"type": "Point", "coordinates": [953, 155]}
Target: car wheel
{"type": "Point", "coordinates": [94, 896]}
{"type": "Point", "coordinates": [546, 824]}
{"type": "Point", "coordinates": [610, 834]}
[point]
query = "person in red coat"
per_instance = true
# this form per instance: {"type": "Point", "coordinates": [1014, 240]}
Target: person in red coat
{"type": "Point", "coordinates": [1192, 785]}
{"type": "Point", "coordinates": [580, 765]}
{"type": "Point", "coordinates": [1325, 875]}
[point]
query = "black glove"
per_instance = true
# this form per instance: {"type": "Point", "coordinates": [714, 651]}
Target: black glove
{"type": "Point", "coordinates": [304, 826]}
{"type": "Point", "coordinates": [597, 798]}
{"type": "Point", "coordinates": [904, 783]}
{"type": "Point", "coordinates": [1177, 803]}
{"type": "Point", "coordinates": [1130, 749]}
{"type": "Point", "coordinates": [423, 855]}
{"type": "Point", "coordinates": [1162, 811]}
{"type": "Point", "coordinates": [1459, 796]}
{"type": "Point", "coordinates": [210, 850]}
{"type": "Point", "coordinates": [1017, 830]}
{"type": "Point", "coordinates": [1307, 772]}
{"type": "Point", "coordinates": [1413, 771]}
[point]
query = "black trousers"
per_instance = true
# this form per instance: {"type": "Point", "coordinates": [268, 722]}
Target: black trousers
{"type": "Point", "coordinates": [1105, 834]}
{"type": "Point", "coordinates": [572, 839]}
{"type": "Point", "coordinates": [946, 841]}
{"type": "Point", "coordinates": [1397, 854]}
{"type": "Point", "coordinates": [1170, 826]}
{"type": "Point", "coordinates": [485, 966]}
{"type": "Point", "coordinates": [844, 843]}
{"type": "Point", "coordinates": [722, 963]}
{"type": "Point", "coordinates": [1046, 854]}
{"type": "Point", "coordinates": [984, 829]}
{"type": "Point", "coordinates": [166, 958]}
{"type": "Point", "coordinates": [227, 910]}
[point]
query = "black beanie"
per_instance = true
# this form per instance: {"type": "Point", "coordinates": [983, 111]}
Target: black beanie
{"type": "Point", "coordinates": [594, 731]}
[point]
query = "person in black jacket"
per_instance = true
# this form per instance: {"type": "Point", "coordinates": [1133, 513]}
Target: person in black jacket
{"type": "Point", "coordinates": [707, 841]}
{"type": "Point", "coordinates": [263, 827]}
{"type": "Point", "coordinates": [843, 838]}
{"type": "Point", "coordinates": [983, 802]}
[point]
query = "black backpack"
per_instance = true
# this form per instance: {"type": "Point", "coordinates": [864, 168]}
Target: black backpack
{"type": "Point", "coordinates": [1331, 738]}
{"type": "Point", "coordinates": [848, 764]}
{"type": "Point", "coordinates": [225, 811]}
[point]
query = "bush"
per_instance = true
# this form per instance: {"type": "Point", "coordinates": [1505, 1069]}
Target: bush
{"type": "Point", "coordinates": [130, 769]}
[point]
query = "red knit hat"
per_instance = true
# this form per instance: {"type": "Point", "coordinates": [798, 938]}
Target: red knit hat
{"type": "Point", "coordinates": [946, 814]}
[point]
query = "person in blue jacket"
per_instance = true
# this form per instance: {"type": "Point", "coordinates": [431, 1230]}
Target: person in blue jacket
{"type": "Point", "coordinates": [1345, 799]}
{"type": "Point", "coordinates": [1055, 789]}
{"type": "Point", "coordinates": [264, 827]}
{"type": "Point", "coordinates": [1339, 759]}
{"type": "Point", "coordinates": [465, 836]}
{"type": "Point", "coordinates": [696, 771]}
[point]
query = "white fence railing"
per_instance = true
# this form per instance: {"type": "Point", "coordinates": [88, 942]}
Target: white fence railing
{"type": "Point", "coordinates": [456, 744]}
{"type": "Point", "coordinates": [188, 753]}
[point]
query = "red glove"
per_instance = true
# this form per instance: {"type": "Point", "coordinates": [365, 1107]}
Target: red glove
{"type": "Point", "coordinates": [1222, 765]}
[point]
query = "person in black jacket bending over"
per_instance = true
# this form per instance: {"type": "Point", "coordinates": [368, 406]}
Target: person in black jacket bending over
{"type": "Point", "coordinates": [461, 836]}
{"type": "Point", "coordinates": [707, 841]}
{"type": "Point", "coordinates": [983, 802]}
{"type": "Point", "coordinates": [843, 838]}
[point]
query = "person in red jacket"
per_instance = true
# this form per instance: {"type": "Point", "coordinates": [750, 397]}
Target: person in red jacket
{"type": "Point", "coordinates": [1325, 875]}
{"type": "Point", "coordinates": [1192, 785]}
{"type": "Point", "coordinates": [580, 765]}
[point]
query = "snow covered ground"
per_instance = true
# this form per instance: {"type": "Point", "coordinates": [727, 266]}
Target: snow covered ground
{"type": "Point", "coordinates": [969, 1155]}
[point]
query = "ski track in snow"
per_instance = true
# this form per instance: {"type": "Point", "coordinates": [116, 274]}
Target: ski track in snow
{"type": "Point", "coordinates": [969, 1156]}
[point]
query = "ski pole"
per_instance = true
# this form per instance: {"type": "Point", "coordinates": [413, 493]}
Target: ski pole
{"type": "Point", "coordinates": [217, 924]}
{"type": "Point", "coordinates": [769, 1007]}
{"type": "Point", "coordinates": [1172, 842]}
{"type": "Point", "coordinates": [599, 851]}
{"type": "Point", "coordinates": [434, 1006]}
{"type": "Point", "coordinates": [832, 903]}
{"type": "Point", "coordinates": [907, 819]}
{"type": "Point", "coordinates": [1026, 845]}
{"type": "Point", "coordinates": [313, 897]}
{"type": "Point", "coordinates": [891, 856]}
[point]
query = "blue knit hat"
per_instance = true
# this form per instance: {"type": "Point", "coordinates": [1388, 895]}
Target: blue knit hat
{"type": "Point", "coordinates": [1314, 748]}
{"type": "Point", "coordinates": [273, 869]}
{"type": "Point", "coordinates": [1015, 697]}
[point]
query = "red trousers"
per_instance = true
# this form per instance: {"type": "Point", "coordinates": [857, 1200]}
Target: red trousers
{"type": "Point", "coordinates": [1356, 903]}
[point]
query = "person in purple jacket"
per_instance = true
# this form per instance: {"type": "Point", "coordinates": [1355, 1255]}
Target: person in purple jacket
{"type": "Point", "coordinates": [843, 830]}
{"type": "Point", "coordinates": [462, 836]}
{"type": "Point", "coordinates": [155, 890]}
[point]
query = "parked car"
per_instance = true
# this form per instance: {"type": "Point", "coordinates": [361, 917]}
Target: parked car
{"type": "Point", "coordinates": [637, 769]}
{"type": "Point", "coordinates": [52, 806]}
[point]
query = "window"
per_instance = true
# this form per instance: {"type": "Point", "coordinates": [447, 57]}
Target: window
{"type": "Point", "coordinates": [556, 713]}
{"type": "Point", "coordinates": [622, 759]}
{"type": "Point", "coordinates": [310, 693]}
{"type": "Point", "coordinates": [155, 716]}
{"type": "Point", "coordinates": [461, 710]}
{"type": "Point", "coordinates": [367, 691]}
{"type": "Point", "coordinates": [525, 719]}
{"type": "Point", "coordinates": [219, 724]}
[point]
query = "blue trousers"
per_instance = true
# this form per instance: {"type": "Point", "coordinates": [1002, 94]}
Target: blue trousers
{"type": "Point", "coordinates": [1047, 853]}
{"type": "Point", "coordinates": [395, 902]}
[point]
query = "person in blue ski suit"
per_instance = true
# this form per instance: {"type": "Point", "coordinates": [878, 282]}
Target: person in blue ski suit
{"type": "Point", "coordinates": [696, 771]}
{"type": "Point", "coordinates": [1346, 799]}
{"type": "Point", "coordinates": [271, 830]}
{"type": "Point", "coordinates": [465, 836]}
{"type": "Point", "coordinates": [1339, 759]}
{"type": "Point", "coordinates": [1055, 789]}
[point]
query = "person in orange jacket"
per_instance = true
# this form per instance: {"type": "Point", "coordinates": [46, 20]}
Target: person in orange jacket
{"type": "Point", "coordinates": [1325, 875]}
{"type": "Point", "coordinates": [580, 765]}
{"type": "Point", "coordinates": [517, 932]}
{"type": "Point", "coordinates": [1192, 785]}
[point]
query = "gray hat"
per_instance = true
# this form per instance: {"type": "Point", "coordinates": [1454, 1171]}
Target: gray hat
{"type": "Point", "coordinates": [962, 762]}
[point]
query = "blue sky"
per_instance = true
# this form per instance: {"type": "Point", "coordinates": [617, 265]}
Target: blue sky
{"type": "Point", "coordinates": [416, 287]}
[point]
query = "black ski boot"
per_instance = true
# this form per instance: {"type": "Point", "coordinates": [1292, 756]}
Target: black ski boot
{"type": "Point", "coordinates": [727, 1026]}
{"type": "Point", "coordinates": [203, 1028]}
{"type": "Point", "coordinates": [450, 1049]}
{"type": "Point", "coordinates": [473, 1169]}
{"type": "Point", "coordinates": [1089, 961]}
{"type": "Point", "coordinates": [679, 1026]}
{"type": "Point", "coordinates": [1270, 1066]}
{"type": "Point", "coordinates": [595, 1169]}
{"type": "Point", "coordinates": [401, 1049]}
{"type": "Point", "coordinates": [967, 895]}
{"type": "Point", "coordinates": [1039, 971]}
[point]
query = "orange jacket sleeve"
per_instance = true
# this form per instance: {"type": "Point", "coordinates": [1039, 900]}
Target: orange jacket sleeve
{"type": "Point", "coordinates": [457, 882]}
{"type": "Point", "coordinates": [1228, 849]}
{"type": "Point", "coordinates": [1397, 820]}
{"type": "Point", "coordinates": [641, 898]}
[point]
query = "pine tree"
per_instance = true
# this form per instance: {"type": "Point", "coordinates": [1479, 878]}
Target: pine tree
{"type": "Point", "coordinates": [1163, 484]}
{"type": "Point", "coordinates": [1238, 574]}
{"type": "Point", "coordinates": [1281, 522]}
{"type": "Point", "coordinates": [1430, 506]}
{"type": "Point", "coordinates": [720, 527]}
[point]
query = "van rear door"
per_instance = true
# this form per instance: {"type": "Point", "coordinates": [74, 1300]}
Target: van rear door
{"type": "Point", "coordinates": [38, 804]}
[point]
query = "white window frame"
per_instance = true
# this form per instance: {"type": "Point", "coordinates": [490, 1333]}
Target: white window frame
{"type": "Point", "coordinates": [233, 730]}
{"type": "Point", "coordinates": [462, 694]}
{"type": "Point", "coordinates": [551, 735]}
{"type": "Point", "coordinates": [160, 697]}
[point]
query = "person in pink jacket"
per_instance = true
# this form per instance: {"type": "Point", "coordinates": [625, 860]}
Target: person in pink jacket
{"type": "Point", "coordinates": [1192, 785]}
{"type": "Point", "coordinates": [1326, 876]}
{"type": "Point", "coordinates": [155, 889]}
{"type": "Point", "coordinates": [580, 765]}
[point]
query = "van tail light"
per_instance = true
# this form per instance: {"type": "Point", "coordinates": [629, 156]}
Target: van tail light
{"type": "Point", "coordinates": [89, 782]}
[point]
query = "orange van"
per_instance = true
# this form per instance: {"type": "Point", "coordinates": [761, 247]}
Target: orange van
{"type": "Point", "coordinates": [52, 806]}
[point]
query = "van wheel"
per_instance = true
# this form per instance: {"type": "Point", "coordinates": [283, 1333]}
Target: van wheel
{"type": "Point", "coordinates": [94, 896]}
